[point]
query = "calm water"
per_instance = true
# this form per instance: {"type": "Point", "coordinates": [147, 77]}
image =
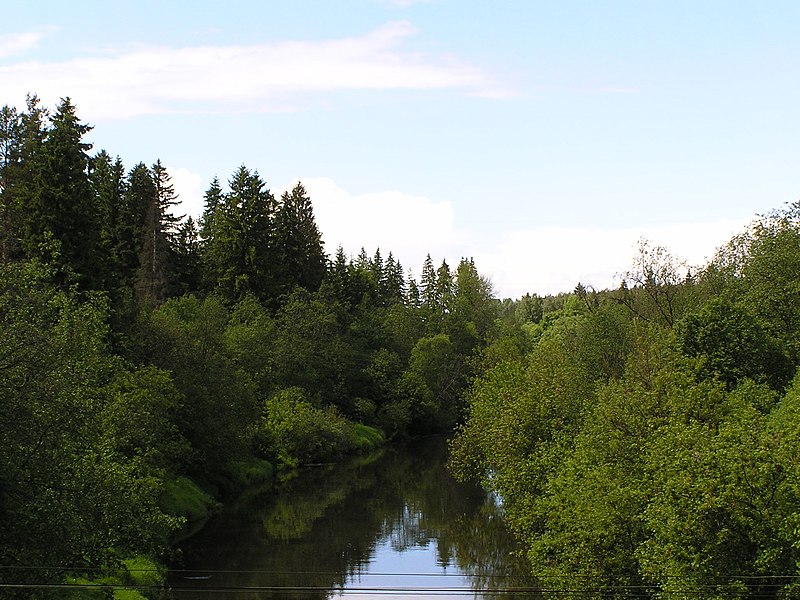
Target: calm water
{"type": "Point", "coordinates": [395, 526]}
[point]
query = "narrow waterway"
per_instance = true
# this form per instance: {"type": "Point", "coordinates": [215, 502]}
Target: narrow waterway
{"type": "Point", "coordinates": [396, 525]}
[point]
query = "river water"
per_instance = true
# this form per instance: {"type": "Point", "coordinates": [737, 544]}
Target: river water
{"type": "Point", "coordinates": [395, 525]}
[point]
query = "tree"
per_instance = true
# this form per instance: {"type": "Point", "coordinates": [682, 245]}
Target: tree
{"type": "Point", "coordinates": [734, 345]}
{"type": "Point", "coordinates": [152, 274]}
{"type": "Point", "coordinates": [240, 250]}
{"type": "Point", "coordinates": [10, 142]}
{"type": "Point", "coordinates": [298, 243]}
{"type": "Point", "coordinates": [109, 185]}
{"type": "Point", "coordinates": [187, 249]}
{"type": "Point", "coordinates": [652, 289]}
{"type": "Point", "coordinates": [58, 200]}
{"type": "Point", "coordinates": [69, 496]}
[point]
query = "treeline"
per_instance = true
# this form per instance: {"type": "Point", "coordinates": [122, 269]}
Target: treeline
{"type": "Point", "coordinates": [149, 364]}
{"type": "Point", "coordinates": [646, 440]}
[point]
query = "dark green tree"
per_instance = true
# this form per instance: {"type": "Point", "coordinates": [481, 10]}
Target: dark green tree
{"type": "Point", "coordinates": [298, 244]}
{"type": "Point", "coordinates": [240, 251]}
{"type": "Point", "coordinates": [10, 142]}
{"type": "Point", "coordinates": [58, 201]}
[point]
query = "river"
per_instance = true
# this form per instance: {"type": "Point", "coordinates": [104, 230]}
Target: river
{"type": "Point", "coordinates": [394, 525]}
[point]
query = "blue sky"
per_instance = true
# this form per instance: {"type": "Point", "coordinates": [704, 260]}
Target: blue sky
{"type": "Point", "coordinates": [541, 138]}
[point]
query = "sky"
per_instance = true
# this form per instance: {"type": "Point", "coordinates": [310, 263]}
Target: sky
{"type": "Point", "coordinates": [542, 139]}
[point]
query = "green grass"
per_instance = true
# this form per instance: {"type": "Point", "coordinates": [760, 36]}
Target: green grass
{"type": "Point", "coordinates": [183, 498]}
{"type": "Point", "coordinates": [250, 471]}
{"type": "Point", "coordinates": [138, 571]}
{"type": "Point", "coordinates": [367, 438]}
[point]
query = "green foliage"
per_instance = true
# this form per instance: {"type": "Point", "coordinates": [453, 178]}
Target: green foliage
{"type": "Point", "coordinates": [295, 432]}
{"type": "Point", "coordinates": [183, 498]}
{"type": "Point", "coordinates": [250, 471]}
{"type": "Point", "coordinates": [186, 336]}
{"type": "Point", "coordinates": [73, 490]}
{"type": "Point", "coordinates": [644, 441]}
{"type": "Point", "coordinates": [136, 350]}
{"type": "Point", "coordinates": [734, 344]}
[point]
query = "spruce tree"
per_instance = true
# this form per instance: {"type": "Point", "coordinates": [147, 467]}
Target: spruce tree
{"type": "Point", "coordinates": [239, 252]}
{"type": "Point", "coordinates": [298, 243]}
{"type": "Point", "coordinates": [62, 219]}
{"type": "Point", "coordinates": [188, 272]}
{"type": "Point", "coordinates": [154, 277]}
{"type": "Point", "coordinates": [107, 177]}
{"type": "Point", "coordinates": [10, 142]}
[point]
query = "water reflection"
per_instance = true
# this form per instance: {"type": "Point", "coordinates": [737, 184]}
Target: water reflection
{"type": "Point", "coordinates": [395, 526]}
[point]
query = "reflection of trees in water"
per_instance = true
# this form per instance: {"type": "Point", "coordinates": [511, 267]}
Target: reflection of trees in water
{"type": "Point", "coordinates": [467, 524]}
{"type": "Point", "coordinates": [322, 527]}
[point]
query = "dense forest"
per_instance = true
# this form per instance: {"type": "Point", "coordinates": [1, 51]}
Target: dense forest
{"type": "Point", "coordinates": [644, 440]}
{"type": "Point", "coordinates": [150, 365]}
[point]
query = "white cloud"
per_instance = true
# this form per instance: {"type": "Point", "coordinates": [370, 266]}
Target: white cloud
{"type": "Point", "coordinates": [258, 77]}
{"type": "Point", "coordinates": [17, 43]}
{"type": "Point", "coordinates": [555, 259]}
{"type": "Point", "coordinates": [543, 260]}
{"type": "Point", "coordinates": [409, 226]}
{"type": "Point", "coordinates": [190, 189]}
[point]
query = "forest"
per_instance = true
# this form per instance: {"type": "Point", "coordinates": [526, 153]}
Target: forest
{"type": "Point", "coordinates": [644, 439]}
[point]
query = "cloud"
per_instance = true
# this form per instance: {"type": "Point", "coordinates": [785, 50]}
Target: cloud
{"type": "Point", "coordinates": [407, 225]}
{"type": "Point", "coordinates": [18, 43]}
{"type": "Point", "coordinates": [190, 189]}
{"type": "Point", "coordinates": [550, 260]}
{"type": "Point", "coordinates": [247, 78]}
{"type": "Point", "coordinates": [542, 260]}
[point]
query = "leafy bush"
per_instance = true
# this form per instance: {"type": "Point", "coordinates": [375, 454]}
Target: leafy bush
{"type": "Point", "coordinates": [183, 498]}
{"type": "Point", "coordinates": [293, 431]}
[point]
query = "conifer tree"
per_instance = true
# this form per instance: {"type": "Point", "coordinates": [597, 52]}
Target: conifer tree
{"type": "Point", "coordinates": [188, 273]}
{"type": "Point", "coordinates": [239, 251]}
{"type": "Point", "coordinates": [107, 177]}
{"type": "Point", "coordinates": [58, 200]}
{"type": "Point", "coordinates": [140, 191]}
{"type": "Point", "coordinates": [154, 278]}
{"type": "Point", "coordinates": [393, 285]}
{"type": "Point", "coordinates": [428, 282]}
{"type": "Point", "coordinates": [10, 142]}
{"type": "Point", "coordinates": [298, 242]}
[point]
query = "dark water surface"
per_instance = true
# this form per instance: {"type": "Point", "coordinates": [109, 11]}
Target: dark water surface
{"type": "Point", "coordinates": [394, 526]}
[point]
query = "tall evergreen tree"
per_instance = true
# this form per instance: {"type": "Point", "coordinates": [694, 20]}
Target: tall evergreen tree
{"type": "Point", "coordinates": [140, 191]}
{"type": "Point", "coordinates": [298, 242]}
{"type": "Point", "coordinates": [188, 272]}
{"type": "Point", "coordinates": [153, 281]}
{"type": "Point", "coordinates": [107, 177]}
{"type": "Point", "coordinates": [392, 284]}
{"type": "Point", "coordinates": [58, 201]}
{"type": "Point", "coordinates": [240, 248]}
{"type": "Point", "coordinates": [428, 282]}
{"type": "Point", "coordinates": [10, 142]}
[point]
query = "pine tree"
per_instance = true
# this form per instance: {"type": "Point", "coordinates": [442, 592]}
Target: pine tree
{"type": "Point", "coordinates": [59, 202]}
{"type": "Point", "coordinates": [10, 142]}
{"type": "Point", "coordinates": [154, 282]}
{"type": "Point", "coordinates": [298, 242]}
{"type": "Point", "coordinates": [188, 273]}
{"type": "Point", "coordinates": [167, 199]}
{"type": "Point", "coordinates": [140, 191]}
{"type": "Point", "coordinates": [239, 251]}
{"type": "Point", "coordinates": [21, 175]}
{"type": "Point", "coordinates": [393, 285]}
{"type": "Point", "coordinates": [428, 283]}
{"type": "Point", "coordinates": [214, 197]}
{"type": "Point", "coordinates": [107, 178]}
